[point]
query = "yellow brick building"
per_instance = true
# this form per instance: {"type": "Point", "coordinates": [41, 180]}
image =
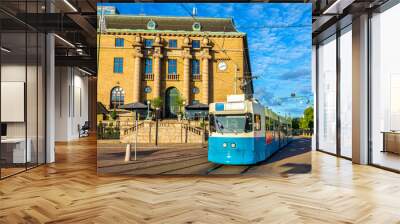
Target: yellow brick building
{"type": "Point", "coordinates": [199, 60]}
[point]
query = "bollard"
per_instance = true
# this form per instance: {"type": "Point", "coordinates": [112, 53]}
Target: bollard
{"type": "Point", "coordinates": [128, 153]}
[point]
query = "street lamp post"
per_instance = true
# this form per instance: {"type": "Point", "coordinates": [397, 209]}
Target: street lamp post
{"type": "Point", "coordinates": [148, 110]}
{"type": "Point", "coordinates": [184, 113]}
{"type": "Point", "coordinates": [157, 110]}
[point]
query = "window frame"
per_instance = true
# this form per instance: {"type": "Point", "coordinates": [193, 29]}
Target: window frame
{"type": "Point", "coordinates": [148, 66]}
{"type": "Point", "coordinates": [173, 40]}
{"type": "Point", "coordinates": [119, 42]}
{"type": "Point", "coordinates": [146, 41]}
{"type": "Point", "coordinates": [119, 95]}
{"type": "Point", "coordinates": [147, 87]}
{"type": "Point", "coordinates": [195, 90]}
{"type": "Point", "coordinates": [118, 65]}
{"type": "Point", "coordinates": [174, 66]}
{"type": "Point", "coordinates": [197, 46]}
{"type": "Point", "coordinates": [193, 68]}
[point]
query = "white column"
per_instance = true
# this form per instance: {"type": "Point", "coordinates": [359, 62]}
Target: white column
{"type": "Point", "coordinates": [50, 98]}
{"type": "Point", "coordinates": [360, 90]}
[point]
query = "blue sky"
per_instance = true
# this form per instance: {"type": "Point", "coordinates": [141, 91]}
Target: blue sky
{"type": "Point", "coordinates": [279, 39]}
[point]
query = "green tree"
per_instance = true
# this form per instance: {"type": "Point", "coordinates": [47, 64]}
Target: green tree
{"type": "Point", "coordinates": [296, 123]}
{"type": "Point", "coordinates": [307, 121]}
{"type": "Point", "coordinates": [180, 101]}
{"type": "Point", "coordinates": [157, 102]}
{"type": "Point", "coordinates": [113, 114]}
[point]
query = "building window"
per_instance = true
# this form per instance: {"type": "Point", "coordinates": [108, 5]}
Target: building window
{"type": "Point", "coordinates": [172, 66]}
{"type": "Point", "coordinates": [151, 25]}
{"type": "Point", "coordinates": [117, 97]}
{"type": "Point", "coordinates": [196, 44]}
{"type": "Point", "coordinates": [195, 102]}
{"type": "Point", "coordinates": [195, 68]}
{"type": "Point", "coordinates": [172, 44]}
{"type": "Point", "coordinates": [147, 89]}
{"type": "Point", "coordinates": [148, 43]}
{"type": "Point", "coordinates": [148, 66]}
{"type": "Point", "coordinates": [195, 90]}
{"type": "Point", "coordinates": [327, 126]}
{"type": "Point", "coordinates": [119, 42]}
{"type": "Point", "coordinates": [118, 65]}
{"type": "Point", "coordinates": [196, 26]}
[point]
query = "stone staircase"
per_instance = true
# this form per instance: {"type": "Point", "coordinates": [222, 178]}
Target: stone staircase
{"type": "Point", "coordinates": [169, 131]}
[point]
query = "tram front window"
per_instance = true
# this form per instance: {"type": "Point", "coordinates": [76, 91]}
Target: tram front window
{"type": "Point", "coordinates": [231, 123]}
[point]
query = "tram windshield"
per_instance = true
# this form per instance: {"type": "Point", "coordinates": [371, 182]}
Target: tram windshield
{"type": "Point", "coordinates": [231, 123]}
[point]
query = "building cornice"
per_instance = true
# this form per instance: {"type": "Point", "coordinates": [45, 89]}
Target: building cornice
{"type": "Point", "coordinates": [171, 33]}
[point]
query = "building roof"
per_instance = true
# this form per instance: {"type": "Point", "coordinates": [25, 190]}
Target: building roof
{"type": "Point", "coordinates": [131, 22]}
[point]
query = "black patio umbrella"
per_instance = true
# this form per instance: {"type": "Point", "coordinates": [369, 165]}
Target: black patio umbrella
{"type": "Point", "coordinates": [138, 108]}
{"type": "Point", "coordinates": [133, 106]}
{"type": "Point", "coordinates": [101, 109]}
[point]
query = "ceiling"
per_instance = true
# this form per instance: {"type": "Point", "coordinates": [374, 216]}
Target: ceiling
{"type": "Point", "coordinates": [74, 22]}
{"type": "Point", "coordinates": [328, 15]}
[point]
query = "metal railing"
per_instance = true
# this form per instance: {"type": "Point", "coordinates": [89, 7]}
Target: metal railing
{"type": "Point", "coordinates": [196, 77]}
{"type": "Point", "coordinates": [108, 130]}
{"type": "Point", "coordinates": [148, 76]}
{"type": "Point", "coordinates": [172, 76]}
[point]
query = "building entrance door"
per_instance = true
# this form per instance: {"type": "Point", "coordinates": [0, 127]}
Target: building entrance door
{"type": "Point", "coordinates": [171, 102]}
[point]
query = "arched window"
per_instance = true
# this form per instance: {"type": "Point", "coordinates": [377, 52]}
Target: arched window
{"type": "Point", "coordinates": [117, 97]}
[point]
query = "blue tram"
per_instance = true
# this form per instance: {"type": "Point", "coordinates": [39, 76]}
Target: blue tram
{"type": "Point", "coordinates": [245, 132]}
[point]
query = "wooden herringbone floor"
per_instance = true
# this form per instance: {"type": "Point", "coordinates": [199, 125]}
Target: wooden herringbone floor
{"type": "Point", "coordinates": [69, 191]}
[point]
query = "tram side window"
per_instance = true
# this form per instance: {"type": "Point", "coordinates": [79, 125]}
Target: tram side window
{"type": "Point", "coordinates": [257, 122]}
{"type": "Point", "coordinates": [249, 123]}
{"type": "Point", "coordinates": [212, 123]}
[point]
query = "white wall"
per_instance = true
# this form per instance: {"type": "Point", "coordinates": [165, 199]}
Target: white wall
{"type": "Point", "coordinates": [71, 102]}
{"type": "Point", "coordinates": [16, 73]}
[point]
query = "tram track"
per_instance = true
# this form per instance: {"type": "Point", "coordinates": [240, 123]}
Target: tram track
{"type": "Point", "coordinates": [226, 169]}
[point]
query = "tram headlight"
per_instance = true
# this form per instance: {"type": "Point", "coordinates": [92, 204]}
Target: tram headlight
{"type": "Point", "coordinates": [224, 145]}
{"type": "Point", "coordinates": [233, 145]}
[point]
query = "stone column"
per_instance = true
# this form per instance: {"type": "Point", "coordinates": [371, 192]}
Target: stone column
{"type": "Point", "coordinates": [186, 74]}
{"type": "Point", "coordinates": [156, 67]}
{"type": "Point", "coordinates": [157, 76]}
{"type": "Point", "coordinates": [205, 56]}
{"type": "Point", "coordinates": [137, 70]}
{"type": "Point", "coordinates": [205, 81]}
{"type": "Point", "coordinates": [136, 80]}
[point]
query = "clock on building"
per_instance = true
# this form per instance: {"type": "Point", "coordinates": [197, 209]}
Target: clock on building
{"type": "Point", "coordinates": [222, 66]}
